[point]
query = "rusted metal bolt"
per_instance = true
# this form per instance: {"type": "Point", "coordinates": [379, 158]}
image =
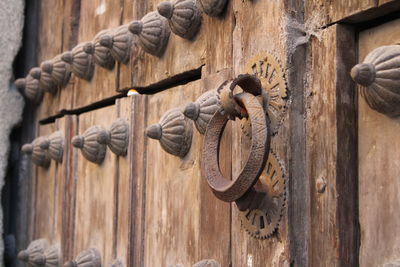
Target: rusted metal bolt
{"type": "Point", "coordinates": [321, 185]}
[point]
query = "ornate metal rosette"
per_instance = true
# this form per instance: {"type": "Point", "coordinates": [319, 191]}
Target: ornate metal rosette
{"type": "Point", "coordinates": [261, 223]}
{"type": "Point", "coordinates": [268, 69]}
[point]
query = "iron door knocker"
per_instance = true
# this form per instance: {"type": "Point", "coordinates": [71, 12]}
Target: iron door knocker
{"type": "Point", "coordinates": [241, 105]}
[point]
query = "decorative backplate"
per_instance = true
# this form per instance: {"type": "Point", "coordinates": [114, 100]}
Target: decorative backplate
{"type": "Point", "coordinates": [174, 131]}
{"type": "Point", "coordinates": [184, 17]}
{"type": "Point", "coordinates": [269, 70]}
{"type": "Point", "coordinates": [379, 77]}
{"type": "Point", "coordinates": [263, 221]}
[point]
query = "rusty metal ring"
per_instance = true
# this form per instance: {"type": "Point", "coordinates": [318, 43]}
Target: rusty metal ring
{"type": "Point", "coordinates": [231, 190]}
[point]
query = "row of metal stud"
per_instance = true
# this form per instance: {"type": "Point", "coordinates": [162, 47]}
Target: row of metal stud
{"type": "Point", "coordinates": [182, 17]}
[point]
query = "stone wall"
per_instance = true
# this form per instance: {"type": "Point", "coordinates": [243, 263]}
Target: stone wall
{"type": "Point", "coordinates": [11, 102]}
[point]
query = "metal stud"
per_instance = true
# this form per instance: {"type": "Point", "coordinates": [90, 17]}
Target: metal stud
{"type": "Point", "coordinates": [58, 69]}
{"type": "Point", "coordinates": [117, 138]}
{"type": "Point", "coordinates": [379, 79]}
{"type": "Point", "coordinates": [87, 258]}
{"type": "Point", "coordinates": [174, 132]}
{"type": "Point", "coordinates": [82, 64]}
{"type": "Point", "coordinates": [54, 146]}
{"type": "Point", "coordinates": [202, 110]}
{"type": "Point", "coordinates": [101, 54]}
{"type": "Point", "coordinates": [88, 143]}
{"type": "Point", "coordinates": [119, 41]}
{"type": "Point", "coordinates": [183, 16]}
{"type": "Point", "coordinates": [34, 251]}
{"type": "Point", "coordinates": [39, 156]}
{"type": "Point", "coordinates": [30, 88]}
{"type": "Point", "coordinates": [153, 32]}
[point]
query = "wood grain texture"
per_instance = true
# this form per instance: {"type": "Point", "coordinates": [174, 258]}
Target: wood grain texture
{"type": "Point", "coordinates": [131, 179]}
{"type": "Point", "coordinates": [133, 10]}
{"type": "Point", "coordinates": [219, 40]}
{"type": "Point", "coordinates": [50, 44]}
{"type": "Point", "coordinates": [331, 149]}
{"type": "Point", "coordinates": [215, 214]}
{"type": "Point", "coordinates": [123, 215]}
{"type": "Point", "coordinates": [250, 38]}
{"type": "Point", "coordinates": [148, 70]}
{"type": "Point", "coordinates": [67, 126]}
{"type": "Point", "coordinates": [52, 203]}
{"type": "Point", "coordinates": [70, 127]}
{"type": "Point", "coordinates": [320, 12]}
{"type": "Point", "coordinates": [184, 222]}
{"type": "Point", "coordinates": [95, 16]}
{"type": "Point", "coordinates": [46, 187]}
{"type": "Point", "coordinates": [71, 16]}
{"type": "Point", "coordinates": [137, 169]}
{"type": "Point", "coordinates": [96, 187]}
{"type": "Point", "coordinates": [378, 168]}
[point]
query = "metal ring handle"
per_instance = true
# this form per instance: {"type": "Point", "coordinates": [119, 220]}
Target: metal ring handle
{"type": "Point", "coordinates": [231, 190]}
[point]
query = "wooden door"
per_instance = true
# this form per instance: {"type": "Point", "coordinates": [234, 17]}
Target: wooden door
{"type": "Point", "coordinates": [150, 208]}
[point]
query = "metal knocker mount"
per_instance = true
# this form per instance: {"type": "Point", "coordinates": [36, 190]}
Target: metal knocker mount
{"type": "Point", "coordinates": [267, 68]}
{"type": "Point", "coordinates": [378, 77]}
{"type": "Point", "coordinates": [257, 200]}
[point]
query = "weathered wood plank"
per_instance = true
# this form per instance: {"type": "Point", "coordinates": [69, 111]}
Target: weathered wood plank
{"type": "Point", "coordinates": [96, 193]}
{"type": "Point", "coordinates": [219, 40]}
{"type": "Point", "coordinates": [133, 10]}
{"type": "Point", "coordinates": [95, 16]}
{"type": "Point", "coordinates": [123, 214]}
{"type": "Point", "coordinates": [137, 170]}
{"type": "Point", "coordinates": [45, 204]}
{"type": "Point", "coordinates": [149, 70]}
{"type": "Point", "coordinates": [67, 125]}
{"type": "Point", "coordinates": [71, 16]}
{"type": "Point", "coordinates": [177, 209]}
{"type": "Point", "coordinates": [215, 214]}
{"type": "Point", "coordinates": [131, 179]}
{"type": "Point", "coordinates": [378, 151]}
{"type": "Point", "coordinates": [331, 149]}
{"type": "Point", "coordinates": [320, 13]}
{"type": "Point", "coordinates": [50, 44]}
{"type": "Point", "coordinates": [250, 38]}
{"type": "Point", "coordinates": [70, 129]}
